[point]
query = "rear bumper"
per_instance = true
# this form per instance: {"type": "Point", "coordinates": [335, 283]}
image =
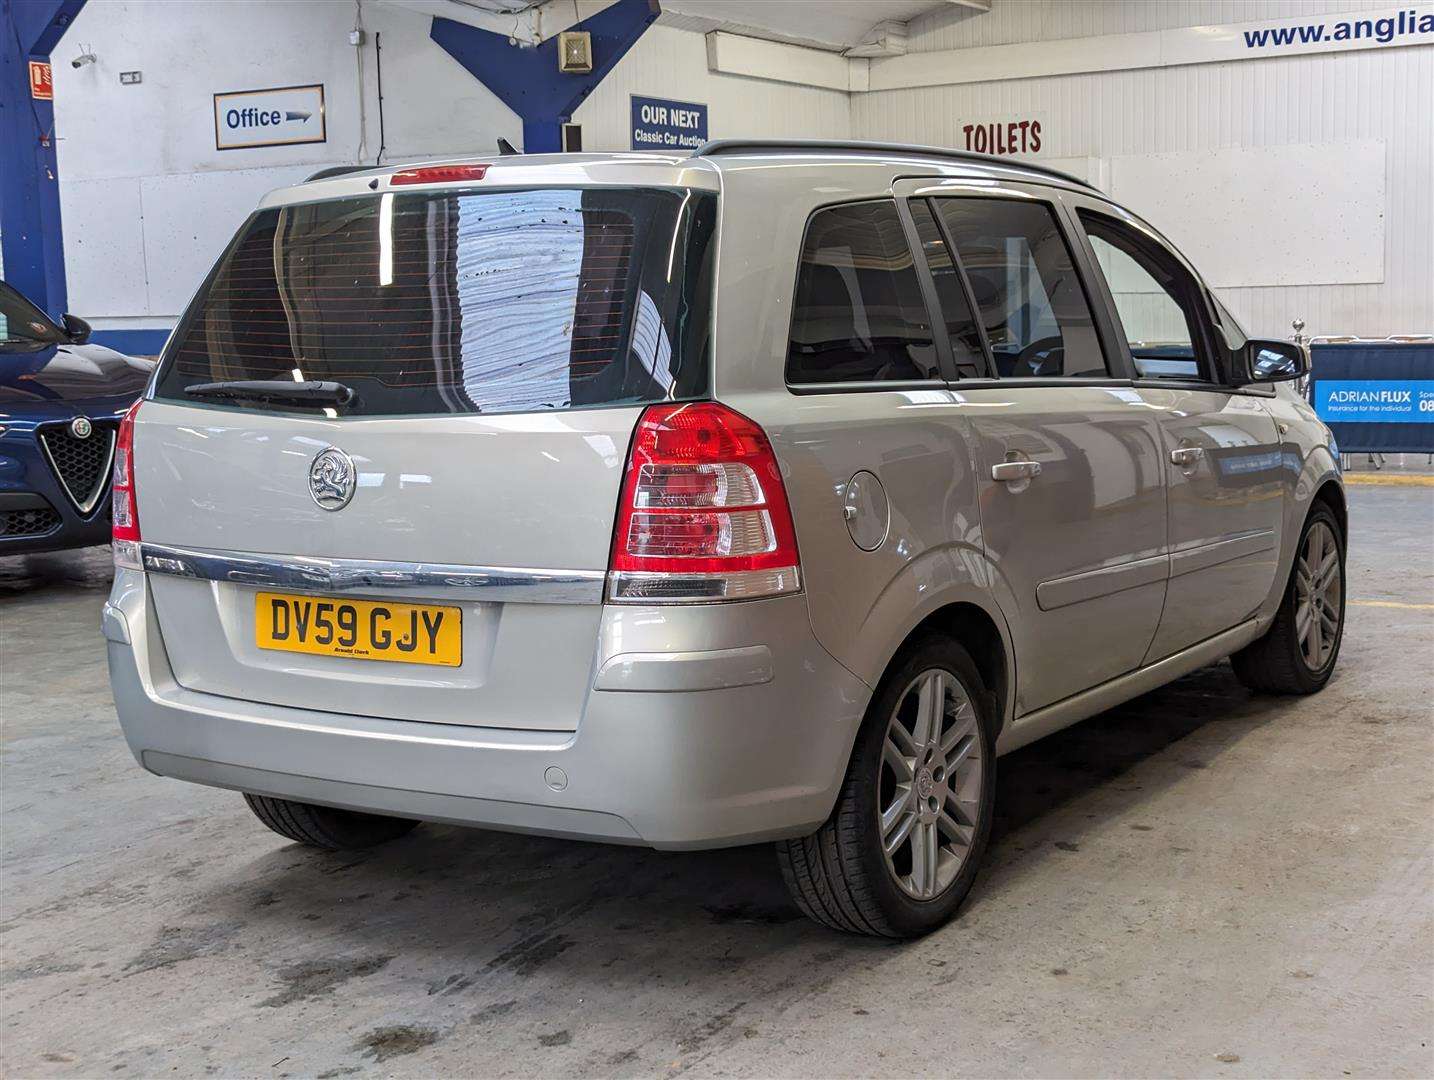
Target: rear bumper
{"type": "Point", "coordinates": [741, 741]}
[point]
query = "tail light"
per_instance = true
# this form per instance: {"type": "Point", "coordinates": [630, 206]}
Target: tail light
{"type": "Point", "coordinates": [704, 513]}
{"type": "Point", "coordinates": [124, 510]}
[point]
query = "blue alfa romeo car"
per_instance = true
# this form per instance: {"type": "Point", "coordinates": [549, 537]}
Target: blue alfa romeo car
{"type": "Point", "coordinates": [61, 401]}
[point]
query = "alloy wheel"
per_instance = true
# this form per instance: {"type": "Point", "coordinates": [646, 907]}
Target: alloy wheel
{"type": "Point", "coordinates": [1319, 592]}
{"type": "Point", "coordinates": [929, 794]}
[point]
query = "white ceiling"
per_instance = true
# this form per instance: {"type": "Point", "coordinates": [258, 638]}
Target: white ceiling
{"type": "Point", "coordinates": [830, 24]}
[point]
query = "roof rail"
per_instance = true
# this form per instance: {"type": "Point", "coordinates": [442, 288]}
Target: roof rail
{"type": "Point", "coordinates": [336, 170]}
{"type": "Point", "coordinates": [743, 146]}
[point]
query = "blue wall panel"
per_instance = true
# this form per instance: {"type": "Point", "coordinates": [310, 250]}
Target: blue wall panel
{"type": "Point", "coordinates": [33, 245]}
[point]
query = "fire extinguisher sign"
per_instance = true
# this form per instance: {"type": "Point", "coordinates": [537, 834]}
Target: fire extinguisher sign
{"type": "Point", "coordinates": [42, 82]}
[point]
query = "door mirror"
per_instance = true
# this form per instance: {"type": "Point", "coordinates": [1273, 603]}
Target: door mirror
{"type": "Point", "coordinates": [1271, 361]}
{"type": "Point", "coordinates": [77, 329]}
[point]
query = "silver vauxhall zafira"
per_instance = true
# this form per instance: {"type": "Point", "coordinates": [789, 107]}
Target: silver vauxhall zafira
{"type": "Point", "coordinates": [766, 493]}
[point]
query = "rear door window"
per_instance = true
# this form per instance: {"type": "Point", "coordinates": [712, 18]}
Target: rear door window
{"type": "Point", "coordinates": [966, 350]}
{"type": "Point", "coordinates": [858, 314]}
{"type": "Point", "coordinates": [461, 302]}
{"type": "Point", "coordinates": [1027, 291]}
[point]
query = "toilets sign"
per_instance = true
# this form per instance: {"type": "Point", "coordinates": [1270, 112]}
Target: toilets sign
{"type": "Point", "coordinates": [662, 124]}
{"type": "Point", "coordinates": [281, 116]}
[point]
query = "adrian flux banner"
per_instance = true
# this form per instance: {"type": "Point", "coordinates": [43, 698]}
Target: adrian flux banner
{"type": "Point", "coordinates": [1375, 401]}
{"type": "Point", "coordinates": [1376, 396]}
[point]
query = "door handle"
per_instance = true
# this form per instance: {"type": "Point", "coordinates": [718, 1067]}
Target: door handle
{"type": "Point", "coordinates": [1007, 471]}
{"type": "Point", "coordinates": [1186, 456]}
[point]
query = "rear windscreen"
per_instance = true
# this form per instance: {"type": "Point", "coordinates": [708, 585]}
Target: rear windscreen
{"type": "Point", "coordinates": [460, 302]}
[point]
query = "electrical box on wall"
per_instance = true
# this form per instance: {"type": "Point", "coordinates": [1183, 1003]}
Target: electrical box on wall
{"type": "Point", "coordinates": [575, 52]}
{"type": "Point", "coordinates": [572, 138]}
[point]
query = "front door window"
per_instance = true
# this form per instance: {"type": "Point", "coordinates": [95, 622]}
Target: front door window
{"type": "Point", "coordinates": [1155, 298]}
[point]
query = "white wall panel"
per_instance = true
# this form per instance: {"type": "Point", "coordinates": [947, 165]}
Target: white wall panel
{"type": "Point", "coordinates": [668, 62]}
{"type": "Point", "coordinates": [104, 246]}
{"type": "Point", "coordinates": [1325, 228]}
{"type": "Point", "coordinates": [1330, 100]}
{"type": "Point", "coordinates": [190, 218]}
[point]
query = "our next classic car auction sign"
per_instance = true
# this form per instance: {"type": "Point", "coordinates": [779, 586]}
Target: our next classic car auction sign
{"type": "Point", "coordinates": [280, 116]}
{"type": "Point", "coordinates": [662, 124]}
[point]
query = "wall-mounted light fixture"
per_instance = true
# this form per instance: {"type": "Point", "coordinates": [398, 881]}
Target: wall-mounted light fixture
{"type": "Point", "coordinates": [575, 52]}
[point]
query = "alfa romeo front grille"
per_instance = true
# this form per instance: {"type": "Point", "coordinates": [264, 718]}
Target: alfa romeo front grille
{"type": "Point", "coordinates": [81, 465]}
{"type": "Point", "coordinates": [33, 521]}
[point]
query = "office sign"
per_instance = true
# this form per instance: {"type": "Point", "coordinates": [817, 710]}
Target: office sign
{"type": "Point", "coordinates": [1375, 401]}
{"type": "Point", "coordinates": [42, 81]}
{"type": "Point", "coordinates": [663, 124]}
{"type": "Point", "coordinates": [280, 116]}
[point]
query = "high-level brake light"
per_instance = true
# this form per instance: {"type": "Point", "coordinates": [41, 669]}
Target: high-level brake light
{"type": "Point", "coordinates": [704, 513]}
{"type": "Point", "coordinates": [438, 174]}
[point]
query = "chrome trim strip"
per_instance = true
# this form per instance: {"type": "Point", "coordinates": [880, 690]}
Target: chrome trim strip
{"type": "Point", "coordinates": [1204, 556]}
{"type": "Point", "coordinates": [364, 576]}
{"type": "Point", "coordinates": [1091, 584]}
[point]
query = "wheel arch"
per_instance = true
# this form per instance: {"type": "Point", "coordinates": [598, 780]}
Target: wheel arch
{"type": "Point", "coordinates": [983, 635]}
{"type": "Point", "coordinates": [1331, 494]}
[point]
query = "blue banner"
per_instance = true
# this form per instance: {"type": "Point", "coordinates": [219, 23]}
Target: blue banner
{"type": "Point", "coordinates": [663, 124]}
{"type": "Point", "coordinates": [1375, 401]}
{"type": "Point", "coordinates": [1377, 396]}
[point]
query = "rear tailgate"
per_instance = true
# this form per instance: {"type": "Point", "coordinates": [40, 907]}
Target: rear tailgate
{"type": "Point", "coordinates": [492, 351]}
{"type": "Point", "coordinates": [524, 491]}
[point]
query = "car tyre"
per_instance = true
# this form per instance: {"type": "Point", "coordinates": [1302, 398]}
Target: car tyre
{"type": "Point", "coordinates": [1288, 659]}
{"type": "Point", "coordinates": [843, 875]}
{"type": "Point", "coordinates": [325, 826]}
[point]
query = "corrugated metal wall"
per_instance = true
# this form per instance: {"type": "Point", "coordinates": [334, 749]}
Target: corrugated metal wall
{"type": "Point", "coordinates": [1011, 21]}
{"type": "Point", "coordinates": [1387, 95]}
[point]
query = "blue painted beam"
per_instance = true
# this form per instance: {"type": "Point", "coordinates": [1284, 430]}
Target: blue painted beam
{"type": "Point", "coordinates": [33, 245]}
{"type": "Point", "coordinates": [528, 81]}
{"type": "Point", "coordinates": [39, 24]}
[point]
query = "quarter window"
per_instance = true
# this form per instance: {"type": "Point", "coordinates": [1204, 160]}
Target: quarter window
{"type": "Point", "coordinates": [1154, 296]}
{"type": "Point", "coordinates": [858, 314]}
{"type": "Point", "coordinates": [1028, 294]}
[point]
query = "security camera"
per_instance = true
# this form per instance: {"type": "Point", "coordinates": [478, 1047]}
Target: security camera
{"type": "Point", "coordinates": [85, 57]}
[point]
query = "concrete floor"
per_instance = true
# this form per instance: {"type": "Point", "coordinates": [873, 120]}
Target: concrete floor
{"type": "Point", "coordinates": [1201, 882]}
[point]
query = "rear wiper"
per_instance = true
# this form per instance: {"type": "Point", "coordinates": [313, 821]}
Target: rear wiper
{"type": "Point", "coordinates": [276, 390]}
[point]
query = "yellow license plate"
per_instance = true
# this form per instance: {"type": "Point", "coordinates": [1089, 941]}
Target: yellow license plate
{"type": "Point", "coordinates": [363, 629]}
